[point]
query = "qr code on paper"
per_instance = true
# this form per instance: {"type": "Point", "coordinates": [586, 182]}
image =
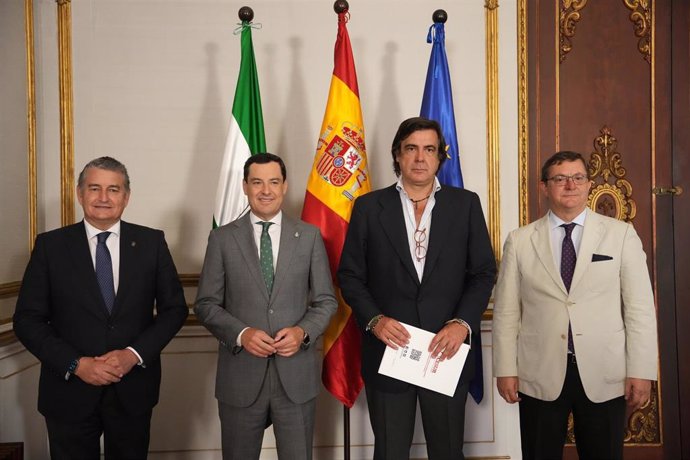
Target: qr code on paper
{"type": "Point", "coordinates": [415, 355]}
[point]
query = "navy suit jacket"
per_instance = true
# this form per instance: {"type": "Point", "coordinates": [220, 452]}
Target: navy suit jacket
{"type": "Point", "coordinates": [61, 315]}
{"type": "Point", "coordinates": [377, 275]}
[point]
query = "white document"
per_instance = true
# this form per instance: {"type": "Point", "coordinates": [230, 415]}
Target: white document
{"type": "Point", "coordinates": [414, 364]}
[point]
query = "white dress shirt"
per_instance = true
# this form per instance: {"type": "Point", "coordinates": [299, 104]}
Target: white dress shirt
{"type": "Point", "coordinates": [411, 223]}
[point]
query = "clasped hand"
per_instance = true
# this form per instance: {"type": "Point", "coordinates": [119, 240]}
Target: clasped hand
{"type": "Point", "coordinates": [106, 369]}
{"type": "Point", "coordinates": [286, 342]}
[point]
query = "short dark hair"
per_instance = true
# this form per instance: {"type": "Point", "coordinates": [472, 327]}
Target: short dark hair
{"type": "Point", "coordinates": [263, 158]}
{"type": "Point", "coordinates": [411, 125]}
{"type": "Point", "coordinates": [107, 163]}
{"type": "Point", "coordinates": [558, 158]}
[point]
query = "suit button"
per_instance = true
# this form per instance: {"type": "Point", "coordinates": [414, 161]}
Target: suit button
{"type": "Point", "coordinates": [563, 336]}
{"type": "Point", "coordinates": [111, 327]}
{"type": "Point", "coordinates": [270, 311]}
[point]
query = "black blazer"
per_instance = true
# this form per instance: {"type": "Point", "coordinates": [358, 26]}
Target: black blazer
{"type": "Point", "coordinates": [61, 315]}
{"type": "Point", "coordinates": [377, 275]}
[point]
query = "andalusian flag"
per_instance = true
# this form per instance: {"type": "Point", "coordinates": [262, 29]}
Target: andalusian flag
{"type": "Point", "coordinates": [339, 175]}
{"type": "Point", "coordinates": [245, 136]}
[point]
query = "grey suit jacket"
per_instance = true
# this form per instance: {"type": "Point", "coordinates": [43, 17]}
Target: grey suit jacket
{"type": "Point", "coordinates": [610, 307]}
{"type": "Point", "coordinates": [232, 295]}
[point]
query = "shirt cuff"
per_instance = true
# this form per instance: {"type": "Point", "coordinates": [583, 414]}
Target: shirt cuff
{"type": "Point", "coordinates": [238, 342]}
{"type": "Point", "coordinates": [141, 361]}
{"type": "Point", "coordinates": [468, 339]}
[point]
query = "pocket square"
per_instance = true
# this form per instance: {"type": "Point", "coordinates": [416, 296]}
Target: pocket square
{"type": "Point", "coordinates": [600, 257]}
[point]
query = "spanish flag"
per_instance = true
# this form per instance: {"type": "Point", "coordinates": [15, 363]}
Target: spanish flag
{"type": "Point", "coordinates": [339, 175]}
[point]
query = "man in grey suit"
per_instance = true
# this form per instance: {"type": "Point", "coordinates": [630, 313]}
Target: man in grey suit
{"type": "Point", "coordinates": [266, 293]}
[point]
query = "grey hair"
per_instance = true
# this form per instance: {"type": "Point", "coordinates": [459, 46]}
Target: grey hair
{"type": "Point", "coordinates": [107, 163]}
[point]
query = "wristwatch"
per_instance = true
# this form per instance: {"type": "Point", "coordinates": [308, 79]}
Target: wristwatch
{"type": "Point", "coordinates": [73, 365]}
{"type": "Point", "coordinates": [372, 323]}
{"type": "Point", "coordinates": [306, 341]}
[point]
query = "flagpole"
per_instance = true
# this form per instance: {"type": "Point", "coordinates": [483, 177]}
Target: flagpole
{"type": "Point", "coordinates": [342, 6]}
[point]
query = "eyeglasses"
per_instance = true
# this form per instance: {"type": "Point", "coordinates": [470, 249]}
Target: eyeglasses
{"type": "Point", "coordinates": [419, 247]}
{"type": "Point", "coordinates": [559, 179]}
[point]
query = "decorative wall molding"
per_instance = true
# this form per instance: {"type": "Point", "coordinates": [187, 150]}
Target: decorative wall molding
{"type": "Point", "coordinates": [8, 290]}
{"type": "Point", "coordinates": [31, 118]}
{"type": "Point", "coordinates": [492, 127]}
{"type": "Point", "coordinates": [491, 4]}
{"type": "Point", "coordinates": [568, 18]}
{"type": "Point", "coordinates": [64, 14]}
{"type": "Point", "coordinates": [523, 120]}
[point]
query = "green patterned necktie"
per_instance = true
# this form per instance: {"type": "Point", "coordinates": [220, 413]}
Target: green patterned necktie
{"type": "Point", "coordinates": [266, 255]}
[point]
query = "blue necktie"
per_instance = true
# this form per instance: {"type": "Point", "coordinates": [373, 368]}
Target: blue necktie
{"type": "Point", "coordinates": [266, 255]}
{"type": "Point", "coordinates": [104, 271]}
{"type": "Point", "coordinates": [568, 260]}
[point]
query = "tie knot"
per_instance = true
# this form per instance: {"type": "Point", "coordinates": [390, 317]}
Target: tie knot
{"type": "Point", "coordinates": [102, 237]}
{"type": "Point", "coordinates": [265, 226]}
{"type": "Point", "coordinates": [568, 228]}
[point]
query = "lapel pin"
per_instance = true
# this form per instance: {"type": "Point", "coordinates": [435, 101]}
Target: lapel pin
{"type": "Point", "coordinates": [296, 234]}
{"type": "Point", "coordinates": [134, 243]}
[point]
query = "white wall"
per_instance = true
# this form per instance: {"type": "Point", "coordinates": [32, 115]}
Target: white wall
{"type": "Point", "coordinates": [14, 246]}
{"type": "Point", "coordinates": [153, 86]}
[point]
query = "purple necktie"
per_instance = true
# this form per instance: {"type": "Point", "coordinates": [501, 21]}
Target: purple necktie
{"type": "Point", "coordinates": [104, 271]}
{"type": "Point", "coordinates": [568, 260]}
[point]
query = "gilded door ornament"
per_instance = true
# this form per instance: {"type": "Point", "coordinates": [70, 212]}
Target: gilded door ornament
{"type": "Point", "coordinates": [611, 194]}
{"type": "Point", "coordinates": [641, 17]}
{"type": "Point", "coordinates": [643, 424]}
{"type": "Point", "coordinates": [569, 17]}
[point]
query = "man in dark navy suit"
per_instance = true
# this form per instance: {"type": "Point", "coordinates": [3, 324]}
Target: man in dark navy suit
{"type": "Point", "coordinates": [417, 253]}
{"type": "Point", "coordinates": [99, 301]}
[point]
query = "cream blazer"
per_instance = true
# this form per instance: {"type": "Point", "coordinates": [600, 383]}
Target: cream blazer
{"type": "Point", "coordinates": [610, 307]}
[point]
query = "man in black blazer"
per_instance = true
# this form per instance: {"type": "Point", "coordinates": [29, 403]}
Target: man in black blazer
{"type": "Point", "coordinates": [86, 311]}
{"type": "Point", "coordinates": [420, 254]}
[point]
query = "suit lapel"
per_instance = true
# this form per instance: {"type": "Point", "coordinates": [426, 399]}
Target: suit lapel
{"type": "Point", "coordinates": [541, 240]}
{"type": "Point", "coordinates": [438, 237]}
{"type": "Point", "coordinates": [244, 237]}
{"type": "Point", "coordinates": [289, 238]}
{"type": "Point", "coordinates": [591, 236]}
{"type": "Point", "coordinates": [128, 260]}
{"type": "Point", "coordinates": [392, 221]}
{"type": "Point", "coordinates": [78, 249]}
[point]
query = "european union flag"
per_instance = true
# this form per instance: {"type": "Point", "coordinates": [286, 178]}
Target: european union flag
{"type": "Point", "coordinates": [437, 104]}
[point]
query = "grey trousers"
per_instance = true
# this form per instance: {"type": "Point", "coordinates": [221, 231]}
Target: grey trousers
{"type": "Point", "coordinates": [242, 428]}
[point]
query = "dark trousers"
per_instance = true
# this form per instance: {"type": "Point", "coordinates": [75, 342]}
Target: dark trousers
{"type": "Point", "coordinates": [392, 418]}
{"type": "Point", "coordinates": [125, 436]}
{"type": "Point", "coordinates": [599, 427]}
